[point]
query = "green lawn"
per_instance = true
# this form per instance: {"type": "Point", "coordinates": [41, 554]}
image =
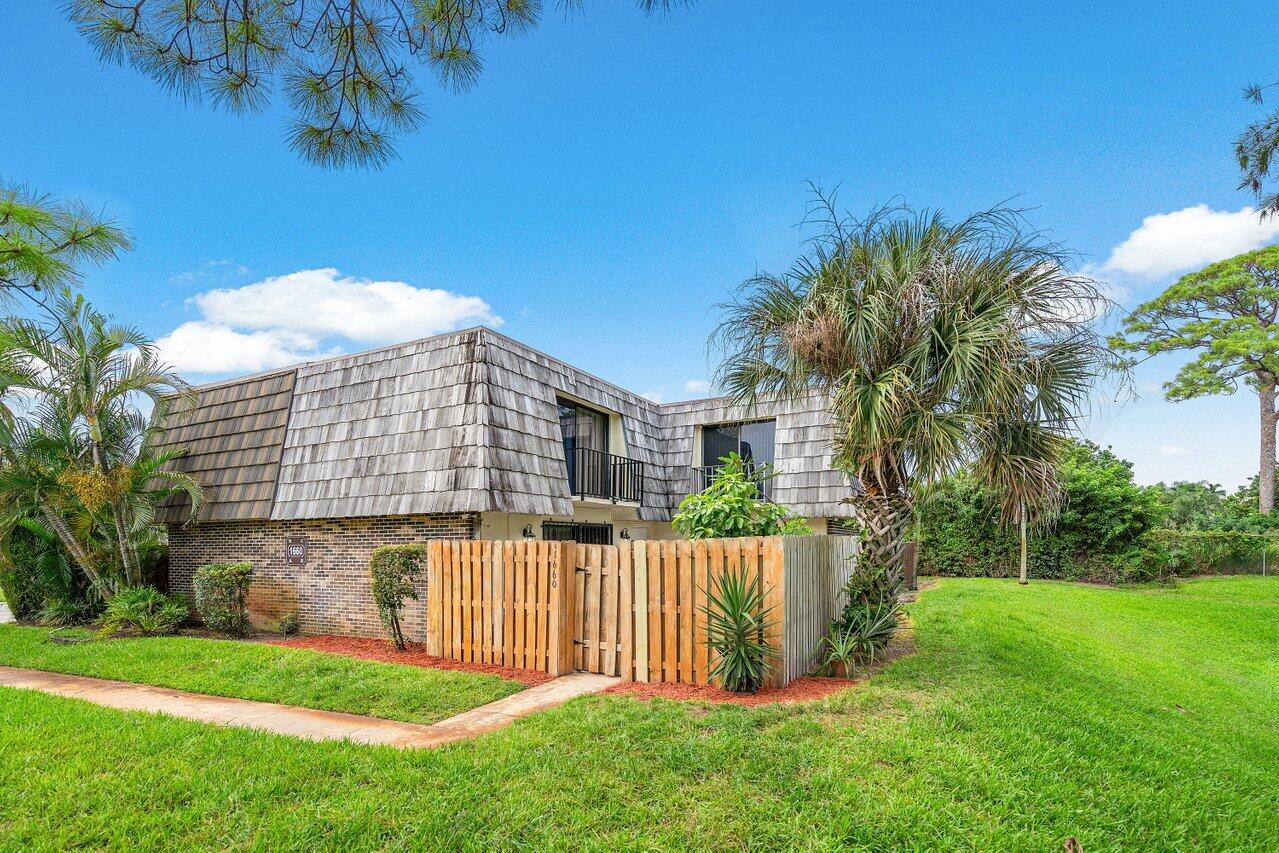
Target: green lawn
{"type": "Point", "coordinates": [264, 672]}
{"type": "Point", "coordinates": [1137, 719]}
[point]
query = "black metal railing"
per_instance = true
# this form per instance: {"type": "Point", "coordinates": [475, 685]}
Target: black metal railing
{"type": "Point", "coordinates": [704, 475]}
{"type": "Point", "coordinates": [596, 474]}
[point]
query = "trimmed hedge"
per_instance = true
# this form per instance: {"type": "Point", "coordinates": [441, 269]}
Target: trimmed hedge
{"type": "Point", "coordinates": [222, 595]}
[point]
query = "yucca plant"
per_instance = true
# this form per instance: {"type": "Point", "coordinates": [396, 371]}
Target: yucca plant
{"type": "Point", "coordinates": [736, 622]}
{"type": "Point", "coordinates": [861, 634]}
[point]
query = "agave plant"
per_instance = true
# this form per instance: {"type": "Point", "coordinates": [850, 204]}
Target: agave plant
{"type": "Point", "coordinates": [937, 344]}
{"type": "Point", "coordinates": [736, 622]}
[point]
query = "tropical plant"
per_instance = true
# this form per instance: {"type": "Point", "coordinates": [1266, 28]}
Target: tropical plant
{"type": "Point", "coordinates": [1228, 312]}
{"type": "Point", "coordinates": [143, 610]}
{"type": "Point", "coordinates": [860, 635]}
{"type": "Point", "coordinates": [222, 595]}
{"type": "Point", "coordinates": [37, 577]}
{"type": "Point", "coordinates": [736, 624]}
{"type": "Point", "coordinates": [343, 64]}
{"type": "Point", "coordinates": [81, 457]}
{"type": "Point", "coordinates": [733, 505]}
{"type": "Point", "coordinates": [936, 345]}
{"type": "Point", "coordinates": [42, 240]}
{"type": "Point", "coordinates": [393, 571]}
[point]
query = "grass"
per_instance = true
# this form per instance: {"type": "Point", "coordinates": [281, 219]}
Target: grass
{"type": "Point", "coordinates": [263, 672]}
{"type": "Point", "coordinates": [1130, 719]}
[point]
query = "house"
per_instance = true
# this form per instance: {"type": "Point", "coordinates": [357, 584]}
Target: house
{"type": "Point", "coordinates": [469, 434]}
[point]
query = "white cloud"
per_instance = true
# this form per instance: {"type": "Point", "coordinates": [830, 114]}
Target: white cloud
{"type": "Point", "coordinates": [1172, 450]}
{"type": "Point", "coordinates": [203, 347]}
{"type": "Point", "coordinates": [324, 302]}
{"type": "Point", "coordinates": [697, 386]}
{"type": "Point", "coordinates": [655, 396]}
{"type": "Point", "coordinates": [310, 314]}
{"type": "Point", "coordinates": [1177, 242]}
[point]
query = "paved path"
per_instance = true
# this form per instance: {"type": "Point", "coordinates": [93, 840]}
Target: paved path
{"type": "Point", "coordinates": [307, 722]}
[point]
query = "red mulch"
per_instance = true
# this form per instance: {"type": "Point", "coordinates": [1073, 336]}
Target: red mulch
{"type": "Point", "coordinates": [414, 655]}
{"type": "Point", "coordinates": [804, 689]}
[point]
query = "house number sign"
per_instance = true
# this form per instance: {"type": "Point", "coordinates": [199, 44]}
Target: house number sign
{"type": "Point", "coordinates": [295, 551]}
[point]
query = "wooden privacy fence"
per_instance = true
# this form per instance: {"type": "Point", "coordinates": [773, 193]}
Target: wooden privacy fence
{"type": "Point", "coordinates": [636, 610]}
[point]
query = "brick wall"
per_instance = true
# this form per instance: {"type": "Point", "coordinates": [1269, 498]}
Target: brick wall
{"type": "Point", "coordinates": [330, 594]}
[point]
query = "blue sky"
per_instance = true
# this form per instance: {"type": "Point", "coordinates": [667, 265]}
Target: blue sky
{"type": "Point", "coordinates": [613, 176]}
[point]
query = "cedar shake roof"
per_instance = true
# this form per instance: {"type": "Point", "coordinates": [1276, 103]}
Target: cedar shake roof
{"type": "Point", "coordinates": [460, 422]}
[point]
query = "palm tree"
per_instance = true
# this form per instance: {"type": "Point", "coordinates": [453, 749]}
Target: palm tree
{"type": "Point", "coordinates": [81, 458]}
{"type": "Point", "coordinates": [937, 344]}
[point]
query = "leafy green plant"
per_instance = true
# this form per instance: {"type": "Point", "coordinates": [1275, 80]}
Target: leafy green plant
{"type": "Point", "coordinates": [288, 624]}
{"type": "Point", "coordinates": [66, 612]}
{"type": "Point", "coordinates": [393, 570]}
{"type": "Point", "coordinates": [143, 610]}
{"type": "Point", "coordinates": [732, 505]}
{"type": "Point", "coordinates": [861, 634]}
{"type": "Point", "coordinates": [736, 622]}
{"type": "Point", "coordinates": [222, 594]}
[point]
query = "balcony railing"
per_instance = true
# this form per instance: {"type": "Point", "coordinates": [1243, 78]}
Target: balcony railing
{"type": "Point", "coordinates": [704, 475]}
{"type": "Point", "coordinates": [596, 474]}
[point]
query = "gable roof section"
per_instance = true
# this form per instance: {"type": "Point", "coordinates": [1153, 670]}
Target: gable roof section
{"type": "Point", "coordinates": [233, 436]}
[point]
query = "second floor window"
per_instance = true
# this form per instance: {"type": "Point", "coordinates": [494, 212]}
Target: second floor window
{"type": "Point", "coordinates": [582, 428]}
{"type": "Point", "coordinates": [752, 441]}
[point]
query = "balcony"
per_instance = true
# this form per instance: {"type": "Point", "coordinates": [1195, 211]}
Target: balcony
{"type": "Point", "coordinates": [704, 475]}
{"type": "Point", "coordinates": [596, 474]}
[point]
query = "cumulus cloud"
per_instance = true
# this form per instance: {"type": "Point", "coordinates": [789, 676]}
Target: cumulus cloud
{"type": "Point", "coordinates": [324, 302]}
{"type": "Point", "coordinates": [1172, 450]}
{"type": "Point", "coordinates": [1181, 241]}
{"type": "Point", "coordinates": [697, 386]}
{"type": "Point", "coordinates": [310, 314]}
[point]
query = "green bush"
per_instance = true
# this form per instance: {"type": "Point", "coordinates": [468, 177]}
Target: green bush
{"type": "Point", "coordinates": [736, 622]}
{"type": "Point", "coordinates": [1215, 551]}
{"type": "Point", "coordinates": [143, 610]}
{"type": "Point", "coordinates": [393, 569]}
{"type": "Point", "coordinates": [732, 506]}
{"type": "Point", "coordinates": [222, 595]}
{"type": "Point", "coordinates": [871, 614]}
{"type": "Point", "coordinates": [1099, 535]}
{"type": "Point", "coordinates": [35, 572]}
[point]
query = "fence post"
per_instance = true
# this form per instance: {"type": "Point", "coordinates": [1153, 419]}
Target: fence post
{"type": "Point", "coordinates": [434, 597]}
{"type": "Point", "coordinates": [773, 571]}
{"type": "Point", "coordinates": [560, 653]}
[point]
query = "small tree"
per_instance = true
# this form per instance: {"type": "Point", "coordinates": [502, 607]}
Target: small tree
{"type": "Point", "coordinates": [733, 506]}
{"type": "Point", "coordinates": [393, 569]}
{"type": "Point", "coordinates": [222, 595]}
{"type": "Point", "coordinates": [1229, 313]}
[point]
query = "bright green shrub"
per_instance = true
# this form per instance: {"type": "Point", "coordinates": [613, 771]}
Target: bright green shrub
{"type": "Point", "coordinates": [143, 610]}
{"type": "Point", "coordinates": [393, 570]}
{"type": "Point", "coordinates": [1099, 535]}
{"type": "Point", "coordinates": [736, 622]}
{"type": "Point", "coordinates": [731, 506]}
{"type": "Point", "coordinates": [222, 596]}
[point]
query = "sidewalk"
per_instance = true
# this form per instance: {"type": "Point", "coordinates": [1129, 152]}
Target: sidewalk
{"type": "Point", "coordinates": [307, 723]}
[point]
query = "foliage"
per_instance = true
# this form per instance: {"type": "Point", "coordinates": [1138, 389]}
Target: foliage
{"type": "Point", "coordinates": [80, 458]}
{"type": "Point", "coordinates": [1216, 551]}
{"type": "Point", "coordinates": [343, 65]}
{"type": "Point", "coordinates": [288, 624]}
{"type": "Point", "coordinates": [222, 595]}
{"type": "Point", "coordinates": [1255, 149]}
{"type": "Point", "coordinates": [939, 344]}
{"type": "Point", "coordinates": [862, 633]}
{"type": "Point", "coordinates": [393, 570]}
{"type": "Point", "coordinates": [1227, 313]}
{"type": "Point", "coordinates": [1130, 719]}
{"type": "Point", "coordinates": [143, 610]}
{"type": "Point", "coordinates": [42, 240]}
{"type": "Point", "coordinates": [736, 622]}
{"type": "Point", "coordinates": [265, 672]}
{"type": "Point", "coordinates": [1099, 533]}
{"type": "Point", "coordinates": [36, 574]}
{"type": "Point", "coordinates": [733, 505]}
{"type": "Point", "coordinates": [65, 612]}
{"type": "Point", "coordinates": [1188, 505]}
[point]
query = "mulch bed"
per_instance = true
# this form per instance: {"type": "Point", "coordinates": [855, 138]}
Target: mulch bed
{"type": "Point", "coordinates": [804, 689]}
{"type": "Point", "coordinates": [414, 655]}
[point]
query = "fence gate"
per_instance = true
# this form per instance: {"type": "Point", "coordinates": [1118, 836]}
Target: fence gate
{"type": "Point", "coordinates": [603, 639]}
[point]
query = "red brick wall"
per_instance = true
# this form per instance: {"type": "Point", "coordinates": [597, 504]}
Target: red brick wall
{"type": "Point", "coordinates": [330, 594]}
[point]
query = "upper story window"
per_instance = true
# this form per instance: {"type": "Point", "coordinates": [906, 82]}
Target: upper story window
{"type": "Point", "coordinates": [583, 428]}
{"type": "Point", "coordinates": [753, 441]}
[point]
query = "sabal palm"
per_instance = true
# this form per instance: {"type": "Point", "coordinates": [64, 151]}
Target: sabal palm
{"type": "Point", "coordinates": [936, 344]}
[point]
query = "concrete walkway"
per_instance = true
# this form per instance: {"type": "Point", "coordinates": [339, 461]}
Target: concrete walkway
{"type": "Point", "coordinates": [307, 722]}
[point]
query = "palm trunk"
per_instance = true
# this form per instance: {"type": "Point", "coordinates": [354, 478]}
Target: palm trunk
{"type": "Point", "coordinates": [1266, 472]}
{"type": "Point", "coordinates": [82, 559]}
{"type": "Point", "coordinates": [884, 522]}
{"type": "Point", "coordinates": [1023, 579]}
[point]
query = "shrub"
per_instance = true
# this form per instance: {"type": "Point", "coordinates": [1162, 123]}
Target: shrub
{"type": "Point", "coordinates": [732, 506]}
{"type": "Point", "coordinates": [222, 594]}
{"type": "Point", "coordinates": [65, 612]}
{"type": "Point", "coordinates": [736, 621]}
{"type": "Point", "coordinates": [393, 570]}
{"type": "Point", "coordinates": [35, 571]}
{"type": "Point", "coordinates": [871, 614]}
{"type": "Point", "coordinates": [288, 624]}
{"type": "Point", "coordinates": [143, 610]}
